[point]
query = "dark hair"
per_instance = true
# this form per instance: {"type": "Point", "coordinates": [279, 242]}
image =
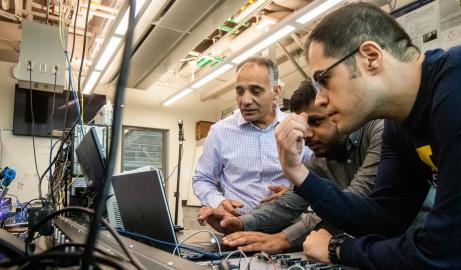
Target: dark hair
{"type": "Point", "coordinates": [346, 28]}
{"type": "Point", "coordinates": [268, 63]}
{"type": "Point", "coordinates": [303, 96]}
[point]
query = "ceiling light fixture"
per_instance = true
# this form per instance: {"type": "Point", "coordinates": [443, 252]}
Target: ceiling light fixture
{"type": "Point", "coordinates": [123, 25]}
{"type": "Point", "coordinates": [178, 96]}
{"type": "Point", "coordinates": [91, 82]}
{"type": "Point", "coordinates": [318, 10]}
{"type": "Point", "coordinates": [264, 43]}
{"type": "Point", "coordinates": [108, 52]}
{"type": "Point", "coordinates": [212, 75]}
{"type": "Point", "coordinates": [109, 49]}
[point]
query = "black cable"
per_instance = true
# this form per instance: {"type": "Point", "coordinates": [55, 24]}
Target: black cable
{"type": "Point", "coordinates": [51, 257]}
{"type": "Point", "coordinates": [64, 139]}
{"type": "Point", "coordinates": [175, 167]}
{"type": "Point", "coordinates": [61, 146]}
{"type": "Point", "coordinates": [115, 137]}
{"type": "Point", "coordinates": [65, 113]}
{"type": "Point", "coordinates": [59, 174]}
{"type": "Point", "coordinates": [51, 133]}
{"type": "Point", "coordinates": [29, 65]}
{"type": "Point", "coordinates": [50, 165]}
{"type": "Point", "coordinates": [79, 87]}
{"type": "Point", "coordinates": [73, 39]}
{"type": "Point", "coordinates": [106, 224]}
{"type": "Point", "coordinates": [12, 195]}
{"type": "Point", "coordinates": [125, 249]}
{"type": "Point", "coordinates": [153, 241]}
{"type": "Point", "coordinates": [34, 228]}
{"type": "Point", "coordinates": [51, 173]}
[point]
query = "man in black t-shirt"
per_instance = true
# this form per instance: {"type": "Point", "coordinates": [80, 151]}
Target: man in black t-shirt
{"type": "Point", "coordinates": [364, 67]}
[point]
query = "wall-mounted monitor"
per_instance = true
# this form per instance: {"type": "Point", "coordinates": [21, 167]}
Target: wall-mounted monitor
{"type": "Point", "coordinates": [43, 107]}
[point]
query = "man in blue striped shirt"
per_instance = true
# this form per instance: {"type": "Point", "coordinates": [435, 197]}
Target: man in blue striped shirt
{"type": "Point", "coordinates": [240, 151]}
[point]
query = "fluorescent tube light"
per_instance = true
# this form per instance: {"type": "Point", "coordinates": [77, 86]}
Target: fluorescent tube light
{"type": "Point", "coordinates": [265, 43]}
{"type": "Point", "coordinates": [212, 75]}
{"type": "Point", "coordinates": [108, 53]}
{"type": "Point", "coordinates": [178, 96]}
{"type": "Point", "coordinates": [318, 10]}
{"type": "Point", "coordinates": [123, 25]}
{"type": "Point", "coordinates": [91, 82]}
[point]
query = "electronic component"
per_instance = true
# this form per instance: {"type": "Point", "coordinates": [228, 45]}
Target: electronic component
{"type": "Point", "coordinates": [285, 261]}
{"type": "Point", "coordinates": [35, 214]}
{"type": "Point", "coordinates": [42, 60]}
{"type": "Point", "coordinates": [7, 175]}
{"type": "Point", "coordinates": [68, 231]}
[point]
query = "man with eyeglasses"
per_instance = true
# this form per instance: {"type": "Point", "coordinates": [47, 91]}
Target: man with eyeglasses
{"type": "Point", "coordinates": [366, 67]}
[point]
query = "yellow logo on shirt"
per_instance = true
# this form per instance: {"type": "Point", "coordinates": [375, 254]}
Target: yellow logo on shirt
{"type": "Point", "coordinates": [425, 153]}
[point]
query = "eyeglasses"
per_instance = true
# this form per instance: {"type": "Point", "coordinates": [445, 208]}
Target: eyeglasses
{"type": "Point", "coordinates": [319, 77]}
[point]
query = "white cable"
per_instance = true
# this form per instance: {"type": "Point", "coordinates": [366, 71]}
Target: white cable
{"type": "Point", "coordinates": [236, 251]}
{"type": "Point", "coordinates": [296, 266]}
{"type": "Point", "coordinates": [201, 231]}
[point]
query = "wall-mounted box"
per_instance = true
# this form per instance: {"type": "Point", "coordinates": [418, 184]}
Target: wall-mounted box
{"type": "Point", "coordinates": [41, 59]}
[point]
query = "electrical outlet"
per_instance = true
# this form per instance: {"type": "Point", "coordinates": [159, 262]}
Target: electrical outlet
{"type": "Point", "coordinates": [55, 69]}
{"type": "Point", "coordinates": [30, 65]}
{"type": "Point", "coordinates": [42, 67]}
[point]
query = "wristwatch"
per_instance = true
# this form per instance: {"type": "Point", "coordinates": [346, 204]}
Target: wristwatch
{"type": "Point", "coordinates": [335, 242]}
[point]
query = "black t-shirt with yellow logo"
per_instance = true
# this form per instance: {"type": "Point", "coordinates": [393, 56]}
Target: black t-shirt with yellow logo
{"type": "Point", "coordinates": [422, 151]}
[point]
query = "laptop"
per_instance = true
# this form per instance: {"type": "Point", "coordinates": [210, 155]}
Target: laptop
{"type": "Point", "coordinates": [145, 213]}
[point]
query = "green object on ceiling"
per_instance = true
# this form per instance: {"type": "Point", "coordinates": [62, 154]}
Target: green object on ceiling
{"type": "Point", "coordinates": [203, 61]}
{"type": "Point", "coordinates": [218, 60]}
{"type": "Point", "coordinates": [213, 60]}
{"type": "Point", "coordinates": [224, 28]}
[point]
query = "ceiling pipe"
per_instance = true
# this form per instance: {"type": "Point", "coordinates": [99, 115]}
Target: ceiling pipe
{"type": "Point", "coordinates": [50, 17]}
{"type": "Point", "coordinates": [103, 8]}
{"type": "Point", "coordinates": [10, 16]}
{"type": "Point", "coordinates": [293, 61]}
{"type": "Point", "coordinates": [18, 7]}
{"type": "Point", "coordinates": [100, 13]}
{"type": "Point", "coordinates": [298, 41]}
{"type": "Point", "coordinates": [6, 4]}
{"type": "Point", "coordinates": [93, 11]}
{"type": "Point", "coordinates": [30, 15]}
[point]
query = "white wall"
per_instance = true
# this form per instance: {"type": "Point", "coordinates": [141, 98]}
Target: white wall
{"type": "Point", "coordinates": [7, 93]}
{"type": "Point", "coordinates": [17, 151]}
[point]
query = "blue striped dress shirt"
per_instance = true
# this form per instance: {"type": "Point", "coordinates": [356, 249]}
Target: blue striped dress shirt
{"type": "Point", "coordinates": [243, 158]}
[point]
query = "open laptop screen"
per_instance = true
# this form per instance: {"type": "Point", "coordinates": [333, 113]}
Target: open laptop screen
{"type": "Point", "coordinates": [143, 205]}
{"type": "Point", "coordinates": [91, 158]}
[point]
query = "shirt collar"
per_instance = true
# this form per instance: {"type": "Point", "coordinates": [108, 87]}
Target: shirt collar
{"type": "Point", "coordinates": [278, 116]}
{"type": "Point", "coordinates": [353, 140]}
